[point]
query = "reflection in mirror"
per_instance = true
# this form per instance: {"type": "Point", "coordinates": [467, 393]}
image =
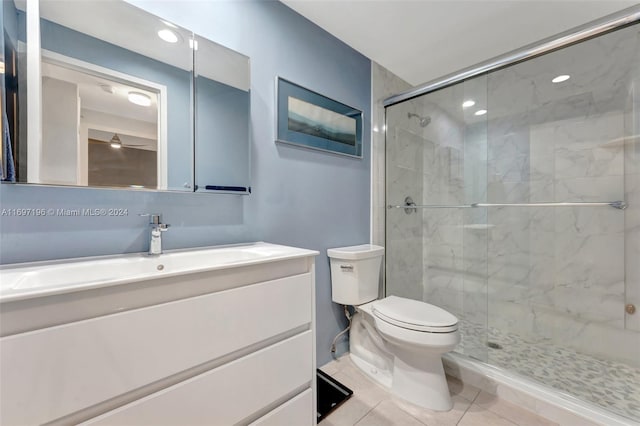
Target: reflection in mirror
{"type": "Point", "coordinates": [11, 106]}
{"type": "Point", "coordinates": [222, 103]}
{"type": "Point", "coordinates": [114, 124]}
{"type": "Point", "coordinates": [113, 100]}
{"type": "Point", "coordinates": [115, 93]}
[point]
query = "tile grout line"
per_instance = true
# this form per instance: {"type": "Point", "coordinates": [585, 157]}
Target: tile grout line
{"type": "Point", "coordinates": [367, 413]}
{"type": "Point", "coordinates": [491, 411]}
{"type": "Point", "coordinates": [469, 406]}
{"type": "Point", "coordinates": [411, 415]}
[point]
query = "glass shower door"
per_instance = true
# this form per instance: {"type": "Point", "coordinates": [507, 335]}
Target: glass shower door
{"type": "Point", "coordinates": [561, 129]}
{"type": "Point", "coordinates": [436, 159]}
{"type": "Point", "coordinates": [543, 290]}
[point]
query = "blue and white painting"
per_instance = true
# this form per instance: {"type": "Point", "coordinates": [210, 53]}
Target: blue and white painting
{"type": "Point", "coordinates": [313, 120]}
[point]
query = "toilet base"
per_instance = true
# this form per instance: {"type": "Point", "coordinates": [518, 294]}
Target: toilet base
{"type": "Point", "coordinates": [419, 378]}
{"type": "Point", "coordinates": [414, 375]}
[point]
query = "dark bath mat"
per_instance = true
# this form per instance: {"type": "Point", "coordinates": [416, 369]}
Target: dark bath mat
{"type": "Point", "coordinates": [331, 394]}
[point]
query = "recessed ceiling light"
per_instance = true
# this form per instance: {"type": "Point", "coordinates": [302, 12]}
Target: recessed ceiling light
{"type": "Point", "coordinates": [139, 99]}
{"type": "Point", "coordinates": [481, 112]}
{"type": "Point", "coordinates": [469, 103]}
{"type": "Point", "coordinates": [168, 36]}
{"type": "Point", "coordinates": [561, 78]}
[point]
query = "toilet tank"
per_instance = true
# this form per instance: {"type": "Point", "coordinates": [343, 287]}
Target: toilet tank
{"type": "Point", "coordinates": [355, 272]}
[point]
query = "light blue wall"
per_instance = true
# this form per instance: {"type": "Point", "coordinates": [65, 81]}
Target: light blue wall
{"type": "Point", "coordinates": [9, 19]}
{"type": "Point", "coordinates": [300, 197]}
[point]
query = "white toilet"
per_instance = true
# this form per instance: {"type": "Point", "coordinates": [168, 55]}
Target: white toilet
{"type": "Point", "coordinates": [396, 341]}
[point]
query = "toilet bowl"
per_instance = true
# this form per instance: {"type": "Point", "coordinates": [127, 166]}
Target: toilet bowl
{"type": "Point", "coordinates": [396, 341]}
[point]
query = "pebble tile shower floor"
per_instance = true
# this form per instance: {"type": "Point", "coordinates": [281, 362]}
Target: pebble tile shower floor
{"type": "Point", "coordinates": [609, 384]}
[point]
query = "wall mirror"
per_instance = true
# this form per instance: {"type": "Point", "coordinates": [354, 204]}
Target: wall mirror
{"type": "Point", "coordinates": [222, 107]}
{"type": "Point", "coordinates": [104, 94]}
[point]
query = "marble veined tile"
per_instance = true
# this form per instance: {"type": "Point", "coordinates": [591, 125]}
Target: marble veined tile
{"type": "Point", "coordinates": [407, 151]}
{"type": "Point", "coordinates": [507, 140]}
{"type": "Point", "coordinates": [542, 140]}
{"type": "Point", "coordinates": [593, 189]}
{"type": "Point", "coordinates": [505, 169]}
{"type": "Point", "coordinates": [588, 132]}
{"type": "Point", "coordinates": [593, 162]}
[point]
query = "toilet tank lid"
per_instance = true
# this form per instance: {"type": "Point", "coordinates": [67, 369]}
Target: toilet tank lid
{"type": "Point", "coordinates": [363, 251]}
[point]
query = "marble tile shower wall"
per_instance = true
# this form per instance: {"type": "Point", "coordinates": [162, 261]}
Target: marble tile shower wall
{"type": "Point", "coordinates": [383, 84]}
{"type": "Point", "coordinates": [563, 275]}
{"type": "Point", "coordinates": [455, 240]}
{"type": "Point", "coordinates": [443, 257]}
{"type": "Point", "coordinates": [438, 255]}
{"type": "Point", "coordinates": [404, 243]}
{"type": "Point", "coordinates": [558, 274]}
{"type": "Point", "coordinates": [632, 196]}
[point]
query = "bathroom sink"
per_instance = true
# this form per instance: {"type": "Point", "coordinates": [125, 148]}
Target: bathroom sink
{"type": "Point", "coordinates": [27, 280]}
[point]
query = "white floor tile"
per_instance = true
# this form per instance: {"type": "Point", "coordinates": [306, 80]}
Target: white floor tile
{"type": "Point", "coordinates": [478, 416]}
{"type": "Point", "coordinates": [373, 405]}
{"type": "Point", "coordinates": [388, 414]}
{"type": "Point", "coordinates": [510, 411]}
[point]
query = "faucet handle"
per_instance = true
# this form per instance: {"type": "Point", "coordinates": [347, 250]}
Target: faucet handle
{"type": "Point", "coordinates": [154, 218]}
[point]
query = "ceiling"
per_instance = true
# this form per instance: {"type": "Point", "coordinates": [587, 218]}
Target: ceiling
{"type": "Point", "coordinates": [103, 95]}
{"type": "Point", "coordinates": [422, 40]}
{"type": "Point", "coordinates": [105, 107]}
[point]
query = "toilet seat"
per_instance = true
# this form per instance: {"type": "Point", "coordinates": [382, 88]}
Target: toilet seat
{"type": "Point", "coordinates": [414, 315]}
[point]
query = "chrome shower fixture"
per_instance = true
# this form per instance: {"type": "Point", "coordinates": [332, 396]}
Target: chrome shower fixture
{"type": "Point", "coordinates": [424, 121]}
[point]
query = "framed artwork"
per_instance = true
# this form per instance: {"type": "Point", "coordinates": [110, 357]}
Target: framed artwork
{"type": "Point", "coordinates": [311, 120]}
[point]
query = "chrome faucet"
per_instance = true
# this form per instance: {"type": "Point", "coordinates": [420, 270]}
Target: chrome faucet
{"type": "Point", "coordinates": [157, 228]}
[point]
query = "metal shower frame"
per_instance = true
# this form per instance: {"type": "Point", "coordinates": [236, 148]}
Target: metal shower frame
{"type": "Point", "coordinates": [591, 29]}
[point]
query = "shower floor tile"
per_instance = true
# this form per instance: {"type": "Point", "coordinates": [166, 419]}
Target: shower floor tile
{"type": "Point", "coordinates": [612, 385]}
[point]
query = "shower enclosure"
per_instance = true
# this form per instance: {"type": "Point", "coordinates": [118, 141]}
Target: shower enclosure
{"type": "Point", "coordinates": [514, 202]}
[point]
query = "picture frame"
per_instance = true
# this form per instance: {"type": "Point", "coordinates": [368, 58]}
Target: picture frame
{"type": "Point", "coordinates": [308, 119]}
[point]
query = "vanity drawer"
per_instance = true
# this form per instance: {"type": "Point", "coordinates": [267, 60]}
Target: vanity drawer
{"type": "Point", "coordinates": [228, 394]}
{"type": "Point", "coordinates": [53, 372]}
{"type": "Point", "coordinates": [297, 411]}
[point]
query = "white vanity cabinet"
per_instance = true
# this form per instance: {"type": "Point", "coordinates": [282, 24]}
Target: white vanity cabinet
{"type": "Point", "coordinates": [235, 354]}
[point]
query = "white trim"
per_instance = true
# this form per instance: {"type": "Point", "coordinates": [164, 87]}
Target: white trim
{"type": "Point", "coordinates": [162, 151]}
{"type": "Point", "coordinates": [82, 170]}
{"type": "Point", "coordinates": [93, 69]}
{"type": "Point", "coordinates": [372, 157]}
{"type": "Point", "coordinates": [34, 94]}
{"type": "Point", "coordinates": [314, 385]}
